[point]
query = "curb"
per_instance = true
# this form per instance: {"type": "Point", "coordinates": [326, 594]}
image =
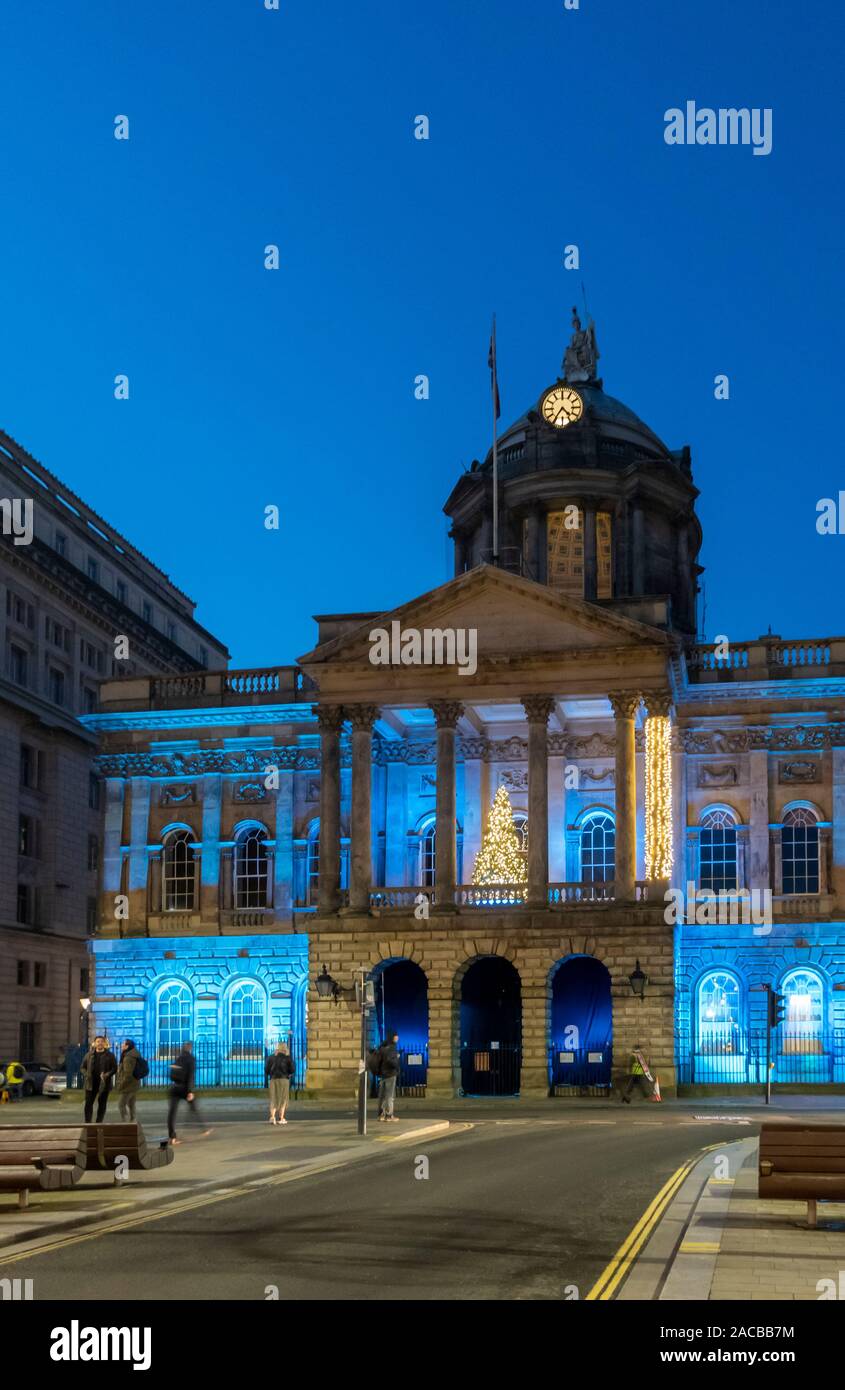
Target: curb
{"type": "Point", "coordinates": [12, 1247]}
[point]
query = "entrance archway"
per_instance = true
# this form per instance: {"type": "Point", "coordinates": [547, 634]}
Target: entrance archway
{"type": "Point", "coordinates": [490, 1028]}
{"type": "Point", "coordinates": [581, 1025]}
{"type": "Point", "coordinates": [401, 1006]}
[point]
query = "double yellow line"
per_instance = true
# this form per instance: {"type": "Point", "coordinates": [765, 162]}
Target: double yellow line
{"type": "Point", "coordinates": [609, 1280]}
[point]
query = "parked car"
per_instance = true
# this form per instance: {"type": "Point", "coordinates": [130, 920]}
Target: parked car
{"type": "Point", "coordinates": [36, 1074]}
{"type": "Point", "coordinates": [54, 1085]}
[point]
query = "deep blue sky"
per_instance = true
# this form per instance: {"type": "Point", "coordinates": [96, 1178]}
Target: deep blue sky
{"type": "Point", "coordinates": [250, 387]}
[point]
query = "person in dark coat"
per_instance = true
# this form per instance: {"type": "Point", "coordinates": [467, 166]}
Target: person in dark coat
{"type": "Point", "coordinates": [127, 1084]}
{"type": "Point", "coordinates": [99, 1068]}
{"type": "Point", "coordinates": [278, 1072]}
{"type": "Point", "coordinates": [388, 1073]}
{"type": "Point", "coordinates": [182, 1074]}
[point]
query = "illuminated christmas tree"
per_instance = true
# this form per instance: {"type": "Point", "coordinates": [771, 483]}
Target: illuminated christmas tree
{"type": "Point", "coordinates": [499, 859]}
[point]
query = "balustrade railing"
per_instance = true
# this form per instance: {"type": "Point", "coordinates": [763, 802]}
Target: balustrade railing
{"type": "Point", "coordinates": [491, 894]}
{"type": "Point", "coordinates": [399, 897]}
{"type": "Point", "coordinates": [741, 660]}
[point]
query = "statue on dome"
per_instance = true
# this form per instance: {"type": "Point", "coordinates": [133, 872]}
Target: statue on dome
{"type": "Point", "coordinates": [582, 354]}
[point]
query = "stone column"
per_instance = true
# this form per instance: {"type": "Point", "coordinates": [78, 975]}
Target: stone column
{"type": "Point", "coordinates": [446, 715]}
{"type": "Point", "coordinates": [329, 718]}
{"type": "Point", "coordinates": [758, 820]}
{"type": "Point", "coordinates": [537, 709]}
{"type": "Point", "coordinates": [362, 718]}
{"type": "Point", "coordinates": [209, 898]}
{"type": "Point", "coordinates": [590, 565]}
{"type": "Point", "coordinates": [283, 889]}
{"type": "Point", "coordinates": [625, 704]}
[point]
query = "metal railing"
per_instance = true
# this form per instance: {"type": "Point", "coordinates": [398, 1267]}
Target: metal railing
{"type": "Point", "coordinates": [734, 1056]}
{"type": "Point", "coordinates": [585, 1069]}
{"type": "Point", "coordinates": [225, 1067]}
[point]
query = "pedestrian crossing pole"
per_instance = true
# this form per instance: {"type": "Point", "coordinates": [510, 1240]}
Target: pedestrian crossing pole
{"type": "Point", "coordinates": [365, 995]}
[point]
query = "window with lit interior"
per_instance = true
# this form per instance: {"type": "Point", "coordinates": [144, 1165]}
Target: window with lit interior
{"type": "Point", "coordinates": [719, 1005]}
{"type": "Point", "coordinates": [178, 878]}
{"type": "Point", "coordinates": [251, 868]}
{"type": "Point", "coordinates": [718, 851]}
{"type": "Point", "coordinates": [598, 847]}
{"type": "Point", "coordinates": [174, 1018]}
{"type": "Point", "coordinates": [800, 851]}
{"type": "Point", "coordinates": [246, 1020]}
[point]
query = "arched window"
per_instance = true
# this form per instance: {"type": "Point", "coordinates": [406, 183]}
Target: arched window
{"type": "Point", "coordinates": [251, 867]}
{"type": "Point", "coordinates": [178, 879]}
{"type": "Point", "coordinates": [312, 865]}
{"type": "Point", "coordinates": [800, 851]}
{"type": "Point", "coordinates": [428, 853]}
{"type": "Point", "coordinates": [246, 1020]}
{"type": "Point", "coordinates": [174, 1018]}
{"type": "Point", "coordinates": [803, 1025]}
{"type": "Point", "coordinates": [598, 847]}
{"type": "Point", "coordinates": [719, 1005]}
{"type": "Point", "coordinates": [717, 851]}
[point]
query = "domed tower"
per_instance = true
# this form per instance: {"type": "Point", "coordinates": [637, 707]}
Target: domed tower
{"type": "Point", "coordinates": [591, 502]}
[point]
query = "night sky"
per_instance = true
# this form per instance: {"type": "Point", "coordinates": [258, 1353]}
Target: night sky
{"type": "Point", "coordinates": [295, 387]}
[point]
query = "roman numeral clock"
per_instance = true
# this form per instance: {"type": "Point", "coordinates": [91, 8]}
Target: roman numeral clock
{"type": "Point", "coordinates": [561, 407]}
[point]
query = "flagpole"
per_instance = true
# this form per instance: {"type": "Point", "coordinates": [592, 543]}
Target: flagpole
{"type": "Point", "coordinates": [494, 392]}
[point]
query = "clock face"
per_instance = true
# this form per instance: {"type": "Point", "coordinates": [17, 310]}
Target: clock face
{"type": "Point", "coordinates": [561, 406]}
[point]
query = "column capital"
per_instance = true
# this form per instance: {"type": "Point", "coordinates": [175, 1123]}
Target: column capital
{"type": "Point", "coordinates": [538, 708]}
{"type": "Point", "coordinates": [362, 717]}
{"type": "Point", "coordinates": [657, 702]}
{"type": "Point", "coordinates": [624, 703]}
{"type": "Point", "coordinates": [329, 717]}
{"type": "Point", "coordinates": [446, 712]}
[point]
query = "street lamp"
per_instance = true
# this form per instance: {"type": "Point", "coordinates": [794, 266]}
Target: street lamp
{"type": "Point", "coordinates": [363, 992]}
{"type": "Point", "coordinates": [638, 981]}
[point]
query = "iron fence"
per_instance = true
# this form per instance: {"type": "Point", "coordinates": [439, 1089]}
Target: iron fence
{"type": "Point", "coordinates": [734, 1056]}
{"type": "Point", "coordinates": [413, 1068]}
{"type": "Point", "coordinates": [239, 1069]}
{"type": "Point", "coordinates": [586, 1069]}
{"type": "Point", "coordinates": [490, 1069]}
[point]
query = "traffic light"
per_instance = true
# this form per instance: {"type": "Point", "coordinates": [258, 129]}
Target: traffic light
{"type": "Point", "coordinates": [777, 1008]}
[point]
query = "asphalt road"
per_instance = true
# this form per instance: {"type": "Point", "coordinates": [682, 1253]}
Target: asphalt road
{"type": "Point", "coordinates": [513, 1210]}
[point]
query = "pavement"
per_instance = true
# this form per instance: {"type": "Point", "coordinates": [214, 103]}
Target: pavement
{"type": "Point", "coordinates": [714, 1239]}
{"type": "Point", "coordinates": [238, 1153]}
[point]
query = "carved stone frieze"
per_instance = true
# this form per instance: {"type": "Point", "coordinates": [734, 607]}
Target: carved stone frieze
{"type": "Point", "coordinates": [514, 778]}
{"type": "Point", "coordinates": [205, 760]}
{"type": "Point", "coordinates": [175, 794]}
{"type": "Point", "coordinates": [722, 775]}
{"type": "Point", "coordinates": [799, 770]}
{"type": "Point", "coordinates": [771, 738]}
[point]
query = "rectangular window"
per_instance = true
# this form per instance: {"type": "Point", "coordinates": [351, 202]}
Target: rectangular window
{"type": "Point", "coordinates": [203, 656]}
{"type": "Point", "coordinates": [147, 611]}
{"type": "Point", "coordinates": [18, 665]}
{"type": "Point", "coordinates": [39, 978]}
{"type": "Point", "coordinates": [89, 700]}
{"type": "Point", "coordinates": [93, 569]}
{"type": "Point", "coordinates": [23, 972]}
{"type": "Point", "coordinates": [91, 916]}
{"type": "Point", "coordinates": [93, 792]}
{"type": "Point", "coordinates": [24, 908]}
{"type": "Point", "coordinates": [61, 544]}
{"type": "Point", "coordinates": [171, 631]}
{"type": "Point", "coordinates": [83, 981]}
{"type": "Point", "coordinates": [27, 765]}
{"type": "Point", "coordinates": [93, 851]}
{"type": "Point", "coordinates": [26, 835]}
{"type": "Point", "coordinates": [56, 686]}
{"type": "Point", "coordinates": [27, 1051]}
{"type": "Point", "coordinates": [122, 592]}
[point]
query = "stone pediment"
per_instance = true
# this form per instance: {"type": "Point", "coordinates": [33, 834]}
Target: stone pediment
{"type": "Point", "coordinates": [512, 616]}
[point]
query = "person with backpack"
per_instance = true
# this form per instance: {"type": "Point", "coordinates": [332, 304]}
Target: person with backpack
{"type": "Point", "coordinates": [131, 1071]}
{"type": "Point", "coordinates": [182, 1074]}
{"type": "Point", "coordinates": [384, 1063]}
{"type": "Point", "coordinates": [278, 1072]}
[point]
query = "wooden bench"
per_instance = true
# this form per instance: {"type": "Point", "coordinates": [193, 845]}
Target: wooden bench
{"type": "Point", "coordinates": [802, 1162]}
{"type": "Point", "coordinates": [102, 1144]}
{"type": "Point", "coordinates": [49, 1158]}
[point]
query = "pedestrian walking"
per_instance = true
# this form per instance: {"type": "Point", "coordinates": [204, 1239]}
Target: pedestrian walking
{"type": "Point", "coordinates": [387, 1070]}
{"type": "Point", "coordinates": [182, 1074]}
{"type": "Point", "coordinates": [131, 1070]}
{"type": "Point", "coordinates": [278, 1072]}
{"type": "Point", "coordinates": [15, 1077]}
{"type": "Point", "coordinates": [639, 1075]}
{"type": "Point", "coordinates": [99, 1068]}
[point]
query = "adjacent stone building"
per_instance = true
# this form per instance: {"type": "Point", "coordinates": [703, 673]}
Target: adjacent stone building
{"type": "Point", "coordinates": [71, 586]}
{"type": "Point", "coordinates": [262, 826]}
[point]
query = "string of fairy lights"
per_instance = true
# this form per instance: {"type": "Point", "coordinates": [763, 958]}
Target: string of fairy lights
{"type": "Point", "coordinates": [658, 797]}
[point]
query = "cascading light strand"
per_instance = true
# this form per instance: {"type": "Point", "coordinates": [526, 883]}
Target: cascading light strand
{"type": "Point", "coordinates": [658, 797]}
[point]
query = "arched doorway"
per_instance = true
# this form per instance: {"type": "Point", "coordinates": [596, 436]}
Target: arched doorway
{"type": "Point", "coordinates": [491, 1028]}
{"type": "Point", "coordinates": [401, 1006]}
{"type": "Point", "coordinates": [581, 1025]}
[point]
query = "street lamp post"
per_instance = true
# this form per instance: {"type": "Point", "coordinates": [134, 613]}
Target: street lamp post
{"type": "Point", "coordinates": [363, 992]}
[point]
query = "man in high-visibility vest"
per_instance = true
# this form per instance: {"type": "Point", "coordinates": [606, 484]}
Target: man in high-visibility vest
{"type": "Point", "coordinates": [15, 1077]}
{"type": "Point", "coordinates": [639, 1075]}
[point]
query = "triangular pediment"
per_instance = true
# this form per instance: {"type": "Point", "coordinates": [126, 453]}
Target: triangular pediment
{"type": "Point", "coordinates": [511, 616]}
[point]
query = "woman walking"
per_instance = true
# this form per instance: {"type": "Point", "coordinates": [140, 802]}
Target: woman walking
{"type": "Point", "coordinates": [278, 1071]}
